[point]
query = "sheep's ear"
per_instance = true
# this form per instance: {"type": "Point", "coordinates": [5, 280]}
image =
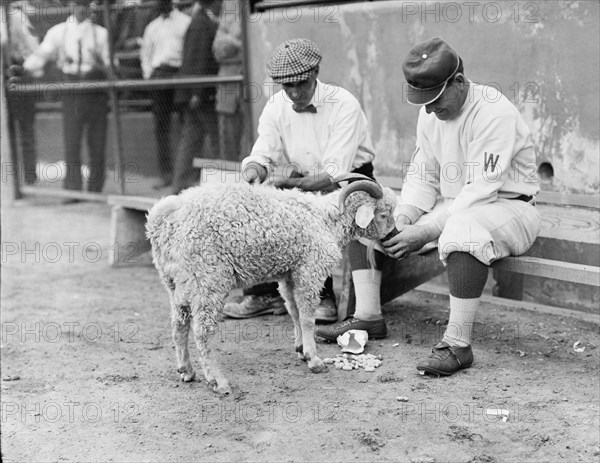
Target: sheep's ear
{"type": "Point", "coordinates": [364, 215]}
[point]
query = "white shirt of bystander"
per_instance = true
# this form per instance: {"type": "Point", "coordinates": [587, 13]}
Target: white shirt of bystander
{"type": "Point", "coordinates": [76, 47]}
{"type": "Point", "coordinates": [163, 42]}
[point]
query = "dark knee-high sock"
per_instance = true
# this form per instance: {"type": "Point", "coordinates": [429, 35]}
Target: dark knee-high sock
{"type": "Point", "coordinates": [466, 279]}
{"type": "Point", "coordinates": [367, 282]}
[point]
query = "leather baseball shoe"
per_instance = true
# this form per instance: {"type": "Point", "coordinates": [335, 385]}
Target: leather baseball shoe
{"type": "Point", "coordinates": [446, 359]}
{"type": "Point", "coordinates": [376, 328]}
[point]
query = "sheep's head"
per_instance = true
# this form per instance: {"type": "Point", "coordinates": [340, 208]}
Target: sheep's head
{"type": "Point", "coordinates": [371, 206]}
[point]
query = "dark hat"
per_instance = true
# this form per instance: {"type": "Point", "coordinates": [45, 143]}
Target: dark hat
{"type": "Point", "coordinates": [293, 61]}
{"type": "Point", "coordinates": [427, 69]}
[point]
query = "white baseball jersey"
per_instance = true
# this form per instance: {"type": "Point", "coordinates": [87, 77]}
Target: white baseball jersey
{"type": "Point", "coordinates": [484, 154]}
{"type": "Point", "coordinates": [478, 163]}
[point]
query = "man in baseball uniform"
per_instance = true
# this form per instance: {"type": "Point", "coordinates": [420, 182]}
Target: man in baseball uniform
{"type": "Point", "coordinates": [469, 190]}
{"type": "Point", "coordinates": [471, 187]}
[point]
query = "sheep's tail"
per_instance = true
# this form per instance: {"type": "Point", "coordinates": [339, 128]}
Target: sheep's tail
{"type": "Point", "coordinates": [159, 212]}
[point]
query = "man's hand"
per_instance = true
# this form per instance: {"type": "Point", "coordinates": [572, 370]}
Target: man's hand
{"type": "Point", "coordinates": [14, 76]}
{"type": "Point", "coordinates": [410, 239]}
{"type": "Point", "coordinates": [194, 102]}
{"type": "Point", "coordinates": [254, 173]}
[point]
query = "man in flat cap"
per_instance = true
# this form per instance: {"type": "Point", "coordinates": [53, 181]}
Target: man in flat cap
{"type": "Point", "coordinates": [321, 131]}
{"type": "Point", "coordinates": [471, 188]}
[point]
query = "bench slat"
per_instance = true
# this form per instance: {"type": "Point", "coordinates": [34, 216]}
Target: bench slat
{"type": "Point", "coordinates": [218, 164]}
{"type": "Point", "coordinates": [140, 203]}
{"type": "Point", "coordinates": [575, 273]}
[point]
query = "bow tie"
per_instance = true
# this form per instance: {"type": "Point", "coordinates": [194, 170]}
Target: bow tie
{"type": "Point", "coordinates": [307, 109]}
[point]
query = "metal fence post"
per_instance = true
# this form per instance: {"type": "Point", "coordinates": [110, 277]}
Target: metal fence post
{"type": "Point", "coordinates": [114, 102]}
{"type": "Point", "coordinates": [10, 180]}
{"type": "Point", "coordinates": [245, 6]}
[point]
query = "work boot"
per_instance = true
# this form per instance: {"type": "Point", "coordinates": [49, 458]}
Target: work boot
{"type": "Point", "coordinates": [446, 360]}
{"type": "Point", "coordinates": [376, 328]}
{"type": "Point", "coordinates": [253, 306]}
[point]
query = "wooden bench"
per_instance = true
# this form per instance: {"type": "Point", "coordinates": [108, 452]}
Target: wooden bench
{"type": "Point", "coordinates": [567, 249]}
{"type": "Point", "coordinates": [128, 228]}
{"type": "Point", "coordinates": [570, 230]}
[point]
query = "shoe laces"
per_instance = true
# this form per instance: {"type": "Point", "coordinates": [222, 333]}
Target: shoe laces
{"type": "Point", "coordinates": [443, 352]}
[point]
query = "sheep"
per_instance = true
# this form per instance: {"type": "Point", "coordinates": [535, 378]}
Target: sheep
{"type": "Point", "coordinates": [211, 239]}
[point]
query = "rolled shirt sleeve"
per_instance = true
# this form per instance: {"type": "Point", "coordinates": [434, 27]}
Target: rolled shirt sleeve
{"type": "Point", "coordinates": [47, 51]}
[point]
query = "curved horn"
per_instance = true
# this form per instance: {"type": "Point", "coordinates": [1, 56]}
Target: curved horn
{"type": "Point", "coordinates": [371, 187]}
{"type": "Point", "coordinates": [351, 178]}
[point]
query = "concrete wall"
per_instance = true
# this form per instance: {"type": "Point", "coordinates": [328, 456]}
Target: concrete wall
{"type": "Point", "coordinates": [544, 56]}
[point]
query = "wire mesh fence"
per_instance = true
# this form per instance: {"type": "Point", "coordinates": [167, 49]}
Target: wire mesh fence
{"type": "Point", "coordinates": [120, 98]}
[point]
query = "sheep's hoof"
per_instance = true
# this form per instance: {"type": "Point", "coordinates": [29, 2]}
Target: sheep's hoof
{"type": "Point", "coordinates": [300, 351]}
{"type": "Point", "coordinates": [316, 365]}
{"type": "Point", "coordinates": [186, 376]}
{"type": "Point", "coordinates": [222, 388]}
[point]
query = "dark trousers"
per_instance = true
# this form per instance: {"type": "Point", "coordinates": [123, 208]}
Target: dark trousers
{"type": "Point", "coordinates": [327, 291]}
{"type": "Point", "coordinates": [198, 123]}
{"type": "Point", "coordinates": [231, 128]}
{"type": "Point", "coordinates": [85, 111]}
{"type": "Point", "coordinates": [163, 106]}
{"type": "Point", "coordinates": [22, 113]}
{"type": "Point", "coordinates": [270, 289]}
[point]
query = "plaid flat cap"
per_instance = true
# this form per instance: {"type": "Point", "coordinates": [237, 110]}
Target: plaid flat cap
{"type": "Point", "coordinates": [293, 61]}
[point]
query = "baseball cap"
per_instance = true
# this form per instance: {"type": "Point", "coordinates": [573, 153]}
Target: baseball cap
{"type": "Point", "coordinates": [293, 61]}
{"type": "Point", "coordinates": [427, 69]}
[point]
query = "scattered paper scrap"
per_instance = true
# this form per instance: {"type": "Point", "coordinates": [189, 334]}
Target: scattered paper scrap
{"type": "Point", "coordinates": [498, 412]}
{"type": "Point", "coordinates": [576, 347]}
{"type": "Point", "coordinates": [353, 341]}
{"type": "Point", "coordinates": [396, 344]}
{"type": "Point", "coordinates": [353, 362]}
{"type": "Point", "coordinates": [521, 353]}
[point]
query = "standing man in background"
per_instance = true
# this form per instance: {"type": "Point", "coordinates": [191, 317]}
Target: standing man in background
{"type": "Point", "coordinates": [200, 119]}
{"type": "Point", "coordinates": [227, 49]}
{"type": "Point", "coordinates": [21, 108]}
{"type": "Point", "coordinates": [80, 50]}
{"type": "Point", "coordinates": [161, 57]}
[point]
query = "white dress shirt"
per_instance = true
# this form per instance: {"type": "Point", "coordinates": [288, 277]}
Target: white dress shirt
{"type": "Point", "coordinates": [163, 42]}
{"type": "Point", "coordinates": [336, 137]}
{"type": "Point", "coordinates": [76, 47]}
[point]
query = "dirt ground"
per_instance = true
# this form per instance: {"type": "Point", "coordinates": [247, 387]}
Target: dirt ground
{"type": "Point", "coordinates": [88, 372]}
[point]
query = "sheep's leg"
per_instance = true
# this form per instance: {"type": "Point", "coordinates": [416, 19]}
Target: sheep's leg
{"type": "Point", "coordinates": [204, 326]}
{"type": "Point", "coordinates": [286, 291]}
{"type": "Point", "coordinates": [307, 301]}
{"type": "Point", "coordinates": [180, 324]}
